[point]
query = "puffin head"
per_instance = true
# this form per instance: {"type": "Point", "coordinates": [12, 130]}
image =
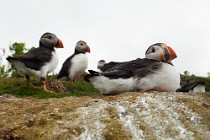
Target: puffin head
{"type": "Point", "coordinates": [101, 63]}
{"type": "Point", "coordinates": [82, 47]}
{"type": "Point", "coordinates": [160, 52]}
{"type": "Point", "coordinates": [50, 40]}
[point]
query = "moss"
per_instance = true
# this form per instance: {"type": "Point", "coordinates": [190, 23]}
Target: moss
{"type": "Point", "coordinates": [114, 128]}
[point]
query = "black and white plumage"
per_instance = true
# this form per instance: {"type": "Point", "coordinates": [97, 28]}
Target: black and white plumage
{"type": "Point", "coordinates": [158, 51]}
{"type": "Point", "coordinates": [137, 75]}
{"type": "Point", "coordinates": [75, 65]}
{"type": "Point", "coordinates": [192, 87]}
{"type": "Point", "coordinates": [39, 61]}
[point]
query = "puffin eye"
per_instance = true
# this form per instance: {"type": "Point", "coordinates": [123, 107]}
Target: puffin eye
{"type": "Point", "coordinates": [50, 37]}
{"type": "Point", "coordinates": [153, 50]}
{"type": "Point", "coordinates": [81, 44]}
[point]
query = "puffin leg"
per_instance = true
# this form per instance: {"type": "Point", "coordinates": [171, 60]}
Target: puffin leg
{"type": "Point", "coordinates": [72, 81]}
{"type": "Point", "coordinates": [44, 85]}
{"type": "Point", "coordinates": [29, 82]}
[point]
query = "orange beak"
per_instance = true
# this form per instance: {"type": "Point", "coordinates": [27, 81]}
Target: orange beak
{"type": "Point", "coordinates": [59, 44]}
{"type": "Point", "coordinates": [87, 49]}
{"type": "Point", "coordinates": [169, 54]}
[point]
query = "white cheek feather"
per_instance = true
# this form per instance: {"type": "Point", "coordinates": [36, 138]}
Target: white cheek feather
{"type": "Point", "coordinates": [112, 86]}
{"type": "Point", "coordinates": [166, 79]}
{"type": "Point", "coordinates": [49, 66]}
{"type": "Point", "coordinates": [79, 64]}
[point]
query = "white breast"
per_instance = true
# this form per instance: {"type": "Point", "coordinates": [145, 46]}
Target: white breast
{"type": "Point", "coordinates": [79, 64]}
{"type": "Point", "coordinates": [165, 79]}
{"type": "Point", "coordinates": [49, 66]}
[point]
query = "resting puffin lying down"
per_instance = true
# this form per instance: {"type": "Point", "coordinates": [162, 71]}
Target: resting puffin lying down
{"type": "Point", "coordinates": [39, 61]}
{"type": "Point", "coordinates": [192, 87]}
{"type": "Point", "coordinates": [141, 74]}
{"type": "Point", "coordinates": [158, 51]}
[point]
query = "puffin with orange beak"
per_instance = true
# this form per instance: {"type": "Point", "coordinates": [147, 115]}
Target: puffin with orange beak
{"type": "Point", "coordinates": [153, 73]}
{"type": "Point", "coordinates": [75, 65]}
{"type": "Point", "coordinates": [160, 52]}
{"type": "Point", "coordinates": [38, 61]}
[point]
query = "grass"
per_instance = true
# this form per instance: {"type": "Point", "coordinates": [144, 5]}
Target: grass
{"type": "Point", "coordinates": [19, 88]}
{"type": "Point", "coordinates": [207, 82]}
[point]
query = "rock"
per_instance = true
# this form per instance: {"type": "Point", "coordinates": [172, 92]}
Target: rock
{"type": "Point", "coordinates": [126, 116]}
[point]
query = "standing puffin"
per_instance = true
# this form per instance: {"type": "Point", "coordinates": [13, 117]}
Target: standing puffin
{"type": "Point", "coordinates": [39, 61]}
{"type": "Point", "coordinates": [76, 64]}
{"type": "Point", "coordinates": [140, 74]}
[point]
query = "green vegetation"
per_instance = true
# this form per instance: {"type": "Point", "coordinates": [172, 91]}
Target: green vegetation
{"type": "Point", "coordinates": [17, 49]}
{"type": "Point", "coordinates": [19, 88]}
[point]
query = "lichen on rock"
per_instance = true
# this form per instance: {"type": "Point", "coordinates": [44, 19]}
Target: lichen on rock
{"type": "Point", "coordinates": [154, 115]}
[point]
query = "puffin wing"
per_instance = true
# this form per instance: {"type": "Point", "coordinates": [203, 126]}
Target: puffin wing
{"type": "Point", "coordinates": [129, 69]}
{"type": "Point", "coordinates": [109, 65]}
{"type": "Point", "coordinates": [132, 66]}
{"type": "Point", "coordinates": [64, 72]}
{"type": "Point", "coordinates": [138, 67]}
{"type": "Point", "coordinates": [35, 58]}
{"type": "Point", "coordinates": [118, 74]}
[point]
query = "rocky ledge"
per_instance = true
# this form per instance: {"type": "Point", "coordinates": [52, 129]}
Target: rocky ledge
{"type": "Point", "coordinates": [126, 116]}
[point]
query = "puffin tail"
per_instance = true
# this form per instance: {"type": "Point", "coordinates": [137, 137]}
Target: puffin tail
{"type": "Point", "coordinates": [92, 73]}
{"type": "Point", "coordinates": [10, 58]}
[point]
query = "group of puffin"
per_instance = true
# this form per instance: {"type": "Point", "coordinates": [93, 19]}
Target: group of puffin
{"type": "Point", "coordinates": [155, 72]}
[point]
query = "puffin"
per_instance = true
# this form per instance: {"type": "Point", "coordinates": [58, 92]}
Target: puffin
{"type": "Point", "coordinates": [75, 65]}
{"type": "Point", "coordinates": [147, 74]}
{"type": "Point", "coordinates": [38, 61]}
{"type": "Point", "coordinates": [158, 51]}
{"type": "Point", "coordinates": [198, 86]}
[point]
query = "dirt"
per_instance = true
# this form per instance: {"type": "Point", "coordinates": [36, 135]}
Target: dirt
{"type": "Point", "coordinates": [126, 116]}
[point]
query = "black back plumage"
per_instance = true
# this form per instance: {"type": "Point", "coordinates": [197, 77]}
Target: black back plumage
{"type": "Point", "coordinates": [35, 58]}
{"type": "Point", "coordinates": [109, 65]}
{"type": "Point", "coordinates": [189, 86]}
{"type": "Point", "coordinates": [139, 67]}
